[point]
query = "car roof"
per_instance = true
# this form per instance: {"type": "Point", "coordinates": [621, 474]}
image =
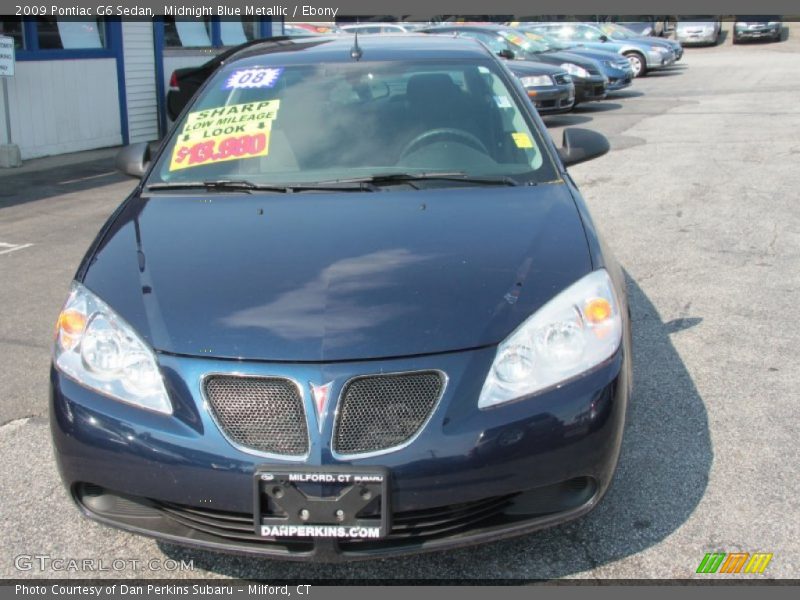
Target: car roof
{"type": "Point", "coordinates": [337, 48]}
{"type": "Point", "coordinates": [457, 26]}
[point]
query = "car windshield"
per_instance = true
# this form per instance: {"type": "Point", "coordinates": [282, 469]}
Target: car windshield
{"type": "Point", "coordinates": [523, 42]}
{"type": "Point", "coordinates": [618, 32]}
{"type": "Point", "coordinates": [321, 123]}
{"type": "Point", "coordinates": [546, 40]}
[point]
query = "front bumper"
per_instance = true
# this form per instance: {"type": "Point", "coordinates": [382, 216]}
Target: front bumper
{"type": "Point", "coordinates": [554, 99]}
{"type": "Point", "coordinates": [591, 88]}
{"type": "Point", "coordinates": [618, 78]}
{"type": "Point", "coordinates": [469, 476]}
{"type": "Point", "coordinates": [660, 60]}
{"type": "Point", "coordinates": [766, 33]}
{"type": "Point", "coordinates": [688, 38]}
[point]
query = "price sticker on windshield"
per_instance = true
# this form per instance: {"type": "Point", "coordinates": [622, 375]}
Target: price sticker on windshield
{"type": "Point", "coordinates": [219, 149]}
{"type": "Point", "coordinates": [224, 133]}
{"type": "Point", "coordinates": [522, 140]}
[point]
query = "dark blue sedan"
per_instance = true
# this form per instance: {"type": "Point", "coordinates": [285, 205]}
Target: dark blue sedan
{"type": "Point", "coordinates": [356, 307]}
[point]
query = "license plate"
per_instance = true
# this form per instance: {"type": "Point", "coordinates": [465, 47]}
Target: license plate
{"type": "Point", "coordinates": [322, 502]}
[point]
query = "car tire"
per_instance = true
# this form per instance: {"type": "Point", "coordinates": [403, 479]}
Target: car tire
{"type": "Point", "coordinates": [735, 39]}
{"type": "Point", "coordinates": [638, 63]}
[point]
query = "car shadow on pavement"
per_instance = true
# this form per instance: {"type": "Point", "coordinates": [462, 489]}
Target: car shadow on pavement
{"type": "Point", "coordinates": [569, 120]}
{"type": "Point", "coordinates": [594, 107]}
{"type": "Point", "coordinates": [24, 187]}
{"type": "Point", "coordinates": [662, 476]}
{"type": "Point", "coordinates": [628, 93]}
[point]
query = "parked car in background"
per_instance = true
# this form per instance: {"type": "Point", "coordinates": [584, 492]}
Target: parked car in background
{"type": "Point", "coordinates": [323, 28]}
{"type": "Point", "coordinates": [295, 30]}
{"type": "Point", "coordinates": [355, 307]}
{"type": "Point", "coordinates": [699, 30]}
{"type": "Point", "coordinates": [646, 25]}
{"type": "Point", "coordinates": [642, 55]}
{"type": "Point", "coordinates": [616, 68]}
{"type": "Point", "coordinates": [765, 27]}
{"type": "Point", "coordinates": [184, 82]}
{"type": "Point", "coordinates": [551, 89]}
{"type": "Point", "coordinates": [378, 28]}
{"type": "Point", "coordinates": [509, 43]}
{"type": "Point", "coordinates": [619, 32]}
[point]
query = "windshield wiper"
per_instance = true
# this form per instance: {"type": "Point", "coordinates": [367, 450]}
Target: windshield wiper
{"type": "Point", "coordinates": [224, 185]}
{"type": "Point", "coordinates": [410, 178]}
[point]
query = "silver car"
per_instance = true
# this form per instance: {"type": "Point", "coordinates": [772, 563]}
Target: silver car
{"type": "Point", "coordinates": [698, 30]}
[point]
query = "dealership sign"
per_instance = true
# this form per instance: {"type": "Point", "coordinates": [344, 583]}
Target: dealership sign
{"type": "Point", "coordinates": [6, 56]}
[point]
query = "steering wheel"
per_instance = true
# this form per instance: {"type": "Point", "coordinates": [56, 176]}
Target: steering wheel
{"type": "Point", "coordinates": [433, 135]}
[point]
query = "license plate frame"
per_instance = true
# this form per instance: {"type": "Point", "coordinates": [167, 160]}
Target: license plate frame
{"type": "Point", "coordinates": [282, 494]}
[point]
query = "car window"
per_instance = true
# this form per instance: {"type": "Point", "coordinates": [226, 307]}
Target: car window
{"type": "Point", "coordinates": [494, 42]}
{"type": "Point", "coordinates": [314, 123]}
{"type": "Point", "coordinates": [587, 33]}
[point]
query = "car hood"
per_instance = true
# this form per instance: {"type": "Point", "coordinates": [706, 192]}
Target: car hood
{"type": "Point", "coordinates": [609, 46]}
{"type": "Point", "coordinates": [337, 276]}
{"type": "Point", "coordinates": [559, 57]}
{"type": "Point", "coordinates": [520, 68]}
{"type": "Point", "coordinates": [597, 55]}
{"type": "Point", "coordinates": [652, 41]}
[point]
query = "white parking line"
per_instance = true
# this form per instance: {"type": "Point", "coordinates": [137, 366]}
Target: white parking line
{"type": "Point", "coordinates": [6, 248]}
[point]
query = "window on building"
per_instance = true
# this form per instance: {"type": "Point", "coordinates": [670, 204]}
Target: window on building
{"type": "Point", "coordinates": [12, 27]}
{"type": "Point", "coordinates": [69, 34]}
{"type": "Point", "coordinates": [187, 33]}
{"type": "Point", "coordinates": [235, 32]}
{"type": "Point", "coordinates": [209, 32]}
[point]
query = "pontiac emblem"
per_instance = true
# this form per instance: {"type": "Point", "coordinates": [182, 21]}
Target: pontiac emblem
{"type": "Point", "coordinates": [320, 394]}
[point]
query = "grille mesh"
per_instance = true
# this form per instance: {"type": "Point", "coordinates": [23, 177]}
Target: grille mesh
{"type": "Point", "coordinates": [382, 411]}
{"type": "Point", "coordinates": [261, 413]}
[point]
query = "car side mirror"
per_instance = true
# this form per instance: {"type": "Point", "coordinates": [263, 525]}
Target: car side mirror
{"type": "Point", "coordinates": [580, 145]}
{"type": "Point", "coordinates": [507, 54]}
{"type": "Point", "coordinates": [134, 159]}
{"type": "Point", "coordinates": [603, 38]}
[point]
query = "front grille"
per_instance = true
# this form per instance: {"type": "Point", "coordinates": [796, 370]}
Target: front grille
{"type": "Point", "coordinates": [415, 526]}
{"type": "Point", "coordinates": [378, 412]}
{"type": "Point", "coordinates": [262, 413]}
{"type": "Point", "coordinates": [562, 78]}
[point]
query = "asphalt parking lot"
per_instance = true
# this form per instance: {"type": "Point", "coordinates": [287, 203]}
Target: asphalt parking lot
{"type": "Point", "coordinates": [699, 200]}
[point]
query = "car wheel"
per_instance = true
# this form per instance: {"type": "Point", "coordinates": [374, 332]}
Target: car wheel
{"type": "Point", "coordinates": [638, 63]}
{"type": "Point", "coordinates": [735, 39]}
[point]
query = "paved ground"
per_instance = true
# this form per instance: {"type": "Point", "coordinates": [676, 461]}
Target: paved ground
{"type": "Point", "coordinates": [699, 199]}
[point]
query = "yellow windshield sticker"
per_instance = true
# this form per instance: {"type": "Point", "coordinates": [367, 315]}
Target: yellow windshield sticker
{"type": "Point", "coordinates": [522, 140]}
{"type": "Point", "coordinates": [224, 133]}
{"type": "Point", "coordinates": [219, 148]}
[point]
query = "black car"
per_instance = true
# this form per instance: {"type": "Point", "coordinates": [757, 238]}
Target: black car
{"type": "Point", "coordinates": [355, 307]}
{"type": "Point", "coordinates": [507, 42]}
{"type": "Point", "coordinates": [184, 83]}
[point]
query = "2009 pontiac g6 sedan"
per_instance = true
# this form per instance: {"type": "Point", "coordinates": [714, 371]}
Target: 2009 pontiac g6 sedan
{"type": "Point", "coordinates": [356, 307]}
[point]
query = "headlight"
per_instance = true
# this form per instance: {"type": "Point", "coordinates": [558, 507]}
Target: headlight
{"type": "Point", "coordinates": [574, 332]}
{"type": "Point", "coordinates": [740, 24]}
{"type": "Point", "coordinates": [536, 80]}
{"type": "Point", "coordinates": [575, 70]}
{"type": "Point", "coordinates": [647, 31]}
{"type": "Point", "coordinates": [773, 23]}
{"type": "Point", "coordinates": [99, 350]}
{"type": "Point", "coordinates": [659, 49]}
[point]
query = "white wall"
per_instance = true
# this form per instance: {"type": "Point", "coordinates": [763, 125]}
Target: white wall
{"type": "Point", "coordinates": [64, 106]}
{"type": "Point", "coordinates": [140, 80]}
